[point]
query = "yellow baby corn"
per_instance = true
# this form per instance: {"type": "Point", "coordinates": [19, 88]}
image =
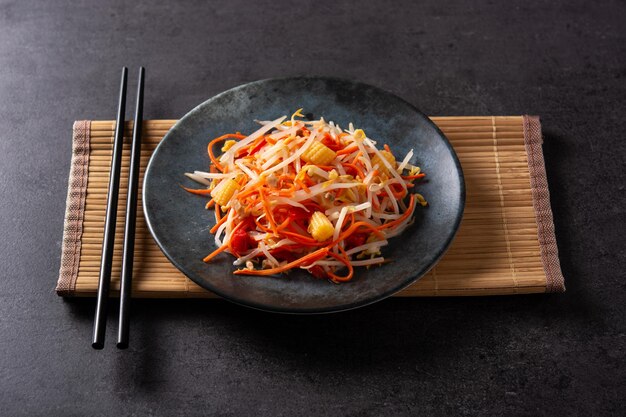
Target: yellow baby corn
{"type": "Point", "coordinates": [228, 144]}
{"type": "Point", "coordinates": [382, 168]}
{"type": "Point", "coordinates": [223, 194]}
{"type": "Point", "coordinates": [320, 227]}
{"type": "Point", "coordinates": [319, 154]}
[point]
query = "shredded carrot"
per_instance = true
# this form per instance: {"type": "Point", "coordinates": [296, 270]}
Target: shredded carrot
{"type": "Point", "coordinates": [297, 237]}
{"type": "Point", "coordinates": [346, 261]}
{"type": "Point", "coordinates": [202, 191]}
{"type": "Point", "coordinates": [253, 189]}
{"type": "Point", "coordinates": [268, 212]}
{"type": "Point", "coordinates": [256, 145]}
{"type": "Point", "coordinates": [354, 227]}
{"type": "Point", "coordinates": [261, 227]}
{"type": "Point", "coordinates": [307, 259]}
{"type": "Point", "coordinates": [413, 177]}
{"type": "Point", "coordinates": [217, 140]}
{"type": "Point", "coordinates": [215, 253]}
{"type": "Point", "coordinates": [218, 212]}
{"type": "Point", "coordinates": [283, 225]}
{"type": "Point", "coordinates": [356, 168]}
{"type": "Point", "coordinates": [218, 224]}
{"type": "Point", "coordinates": [404, 216]}
{"type": "Point", "coordinates": [347, 150]}
{"type": "Point", "coordinates": [303, 185]}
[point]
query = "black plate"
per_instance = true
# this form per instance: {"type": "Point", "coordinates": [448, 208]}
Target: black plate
{"type": "Point", "coordinates": [180, 224]}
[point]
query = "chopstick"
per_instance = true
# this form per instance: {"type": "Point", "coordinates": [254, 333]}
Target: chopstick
{"type": "Point", "coordinates": [106, 263]}
{"type": "Point", "coordinates": [131, 214]}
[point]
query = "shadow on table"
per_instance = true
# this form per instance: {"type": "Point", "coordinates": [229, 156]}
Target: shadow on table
{"type": "Point", "coordinates": [558, 154]}
{"type": "Point", "coordinates": [410, 335]}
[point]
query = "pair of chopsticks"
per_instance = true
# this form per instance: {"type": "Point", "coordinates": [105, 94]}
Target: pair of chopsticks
{"type": "Point", "coordinates": [104, 283]}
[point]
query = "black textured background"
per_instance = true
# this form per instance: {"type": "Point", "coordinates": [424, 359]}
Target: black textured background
{"type": "Point", "coordinates": [524, 355]}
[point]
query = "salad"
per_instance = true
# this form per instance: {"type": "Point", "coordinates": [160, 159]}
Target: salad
{"type": "Point", "coordinates": [306, 194]}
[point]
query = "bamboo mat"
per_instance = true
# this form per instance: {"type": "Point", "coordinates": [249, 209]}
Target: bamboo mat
{"type": "Point", "coordinates": [506, 243]}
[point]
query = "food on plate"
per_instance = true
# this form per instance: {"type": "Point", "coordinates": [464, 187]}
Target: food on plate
{"type": "Point", "coordinates": [306, 194]}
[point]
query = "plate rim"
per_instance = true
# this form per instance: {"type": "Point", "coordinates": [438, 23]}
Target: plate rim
{"type": "Point", "coordinates": [322, 310]}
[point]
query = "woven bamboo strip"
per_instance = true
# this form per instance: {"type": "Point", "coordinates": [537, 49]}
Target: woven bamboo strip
{"type": "Point", "coordinates": [496, 250]}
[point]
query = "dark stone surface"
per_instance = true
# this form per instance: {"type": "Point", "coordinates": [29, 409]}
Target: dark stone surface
{"type": "Point", "coordinates": [524, 355]}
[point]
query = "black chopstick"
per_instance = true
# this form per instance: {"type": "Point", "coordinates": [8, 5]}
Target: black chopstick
{"type": "Point", "coordinates": [131, 212]}
{"type": "Point", "coordinates": [104, 283]}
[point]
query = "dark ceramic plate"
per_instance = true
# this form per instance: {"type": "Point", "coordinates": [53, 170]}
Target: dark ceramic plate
{"type": "Point", "coordinates": [180, 224]}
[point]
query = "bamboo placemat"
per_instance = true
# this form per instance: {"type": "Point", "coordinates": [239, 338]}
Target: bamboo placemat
{"type": "Point", "coordinates": [506, 243]}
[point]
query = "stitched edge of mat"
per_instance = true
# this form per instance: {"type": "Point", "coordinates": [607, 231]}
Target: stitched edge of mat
{"type": "Point", "coordinates": [74, 208]}
{"type": "Point", "coordinates": [555, 282]}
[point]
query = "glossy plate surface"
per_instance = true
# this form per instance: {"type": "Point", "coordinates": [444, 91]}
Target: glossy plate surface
{"type": "Point", "coordinates": [180, 224]}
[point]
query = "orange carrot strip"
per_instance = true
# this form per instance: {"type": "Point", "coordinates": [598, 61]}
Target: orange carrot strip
{"type": "Point", "coordinates": [218, 212]}
{"type": "Point", "coordinates": [253, 188]}
{"type": "Point", "coordinates": [261, 227]}
{"type": "Point", "coordinates": [303, 185]}
{"type": "Point", "coordinates": [397, 194]}
{"type": "Point", "coordinates": [268, 211]}
{"type": "Point", "coordinates": [413, 177]}
{"type": "Point", "coordinates": [215, 253]}
{"type": "Point", "coordinates": [310, 258]}
{"type": "Point", "coordinates": [202, 191]}
{"type": "Point", "coordinates": [400, 219]}
{"type": "Point", "coordinates": [344, 260]}
{"type": "Point", "coordinates": [216, 140]}
{"type": "Point", "coordinates": [297, 237]}
{"type": "Point", "coordinates": [353, 229]}
{"type": "Point", "coordinates": [308, 180]}
{"type": "Point", "coordinates": [348, 150]}
{"type": "Point", "coordinates": [256, 145]}
{"type": "Point", "coordinates": [356, 168]}
{"type": "Point", "coordinates": [242, 181]}
{"type": "Point", "coordinates": [283, 224]}
{"type": "Point", "coordinates": [218, 224]}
